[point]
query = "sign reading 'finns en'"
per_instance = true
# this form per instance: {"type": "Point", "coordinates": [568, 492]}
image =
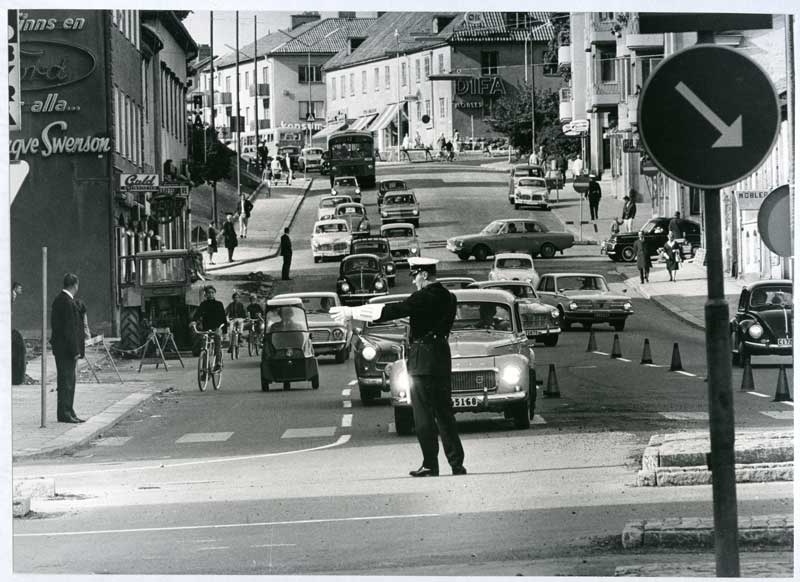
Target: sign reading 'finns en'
{"type": "Point", "coordinates": [14, 93]}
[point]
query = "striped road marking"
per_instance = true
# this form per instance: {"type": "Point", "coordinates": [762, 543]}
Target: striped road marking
{"type": "Point", "coordinates": [347, 404]}
{"type": "Point", "coordinates": [654, 366]}
{"type": "Point", "coordinates": [758, 394]}
{"type": "Point", "coordinates": [317, 431]}
{"type": "Point", "coordinates": [685, 373]}
{"type": "Point", "coordinates": [601, 353]}
{"type": "Point", "coordinates": [346, 392]}
{"type": "Point", "coordinates": [204, 437]}
{"type": "Point", "coordinates": [622, 360]}
{"type": "Point", "coordinates": [685, 415]}
{"type": "Point", "coordinates": [787, 403]}
{"type": "Point", "coordinates": [274, 546]}
{"type": "Point", "coordinates": [779, 414]}
{"type": "Point", "coordinates": [538, 419]}
{"type": "Point", "coordinates": [352, 382]}
{"type": "Point", "coordinates": [347, 420]}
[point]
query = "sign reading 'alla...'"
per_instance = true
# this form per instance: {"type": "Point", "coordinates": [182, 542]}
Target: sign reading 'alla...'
{"type": "Point", "coordinates": [708, 116]}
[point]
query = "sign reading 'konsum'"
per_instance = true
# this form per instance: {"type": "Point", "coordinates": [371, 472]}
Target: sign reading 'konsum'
{"type": "Point", "coordinates": [51, 142]}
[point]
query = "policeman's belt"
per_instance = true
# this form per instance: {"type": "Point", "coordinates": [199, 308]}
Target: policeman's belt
{"type": "Point", "coordinates": [430, 338]}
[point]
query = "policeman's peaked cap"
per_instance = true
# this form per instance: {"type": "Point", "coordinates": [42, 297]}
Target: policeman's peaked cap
{"type": "Point", "coordinates": [417, 264]}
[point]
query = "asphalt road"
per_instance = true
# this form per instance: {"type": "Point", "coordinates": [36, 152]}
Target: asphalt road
{"type": "Point", "coordinates": [313, 482]}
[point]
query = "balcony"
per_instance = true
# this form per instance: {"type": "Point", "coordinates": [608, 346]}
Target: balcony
{"type": "Point", "coordinates": [262, 88]}
{"type": "Point", "coordinates": [223, 99]}
{"type": "Point", "coordinates": [602, 28]}
{"type": "Point", "coordinates": [637, 42]}
{"type": "Point", "coordinates": [633, 109]}
{"type": "Point", "coordinates": [565, 104]}
{"type": "Point", "coordinates": [604, 94]}
{"type": "Point", "coordinates": [565, 56]}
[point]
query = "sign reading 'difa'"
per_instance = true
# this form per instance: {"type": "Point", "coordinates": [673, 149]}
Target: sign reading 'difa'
{"type": "Point", "coordinates": [49, 143]}
{"type": "Point", "coordinates": [480, 86]}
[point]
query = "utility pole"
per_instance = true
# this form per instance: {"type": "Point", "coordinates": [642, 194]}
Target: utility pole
{"type": "Point", "coordinates": [238, 120]}
{"type": "Point", "coordinates": [255, 84]}
{"type": "Point", "coordinates": [213, 122]}
{"type": "Point", "coordinates": [790, 100]}
{"type": "Point", "coordinates": [397, 56]}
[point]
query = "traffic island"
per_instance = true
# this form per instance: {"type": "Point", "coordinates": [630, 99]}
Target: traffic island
{"type": "Point", "coordinates": [777, 567]}
{"type": "Point", "coordinates": [681, 459]}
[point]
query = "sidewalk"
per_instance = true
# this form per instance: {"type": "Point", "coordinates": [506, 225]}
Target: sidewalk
{"type": "Point", "coordinates": [270, 215]}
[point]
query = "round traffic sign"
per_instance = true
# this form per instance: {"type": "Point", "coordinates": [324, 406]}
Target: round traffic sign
{"type": "Point", "coordinates": [708, 116]}
{"type": "Point", "coordinates": [774, 222]}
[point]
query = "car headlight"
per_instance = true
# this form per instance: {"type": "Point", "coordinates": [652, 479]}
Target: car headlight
{"type": "Point", "coordinates": [338, 334]}
{"type": "Point", "coordinates": [554, 314]}
{"type": "Point", "coordinates": [369, 353]}
{"type": "Point", "coordinates": [363, 226]}
{"type": "Point", "coordinates": [755, 331]}
{"type": "Point", "coordinates": [573, 306]}
{"type": "Point", "coordinates": [345, 287]}
{"type": "Point", "coordinates": [414, 250]}
{"type": "Point", "coordinates": [491, 275]}
{"type": "Point", "coordinates": [415, 212]}
{"type": "Point", "coordinates": [384, 214]}
{"type": "Point", "coordinates": [314, 244]}
{"type": "Point", "coordinates": [511, 375]}
{"type": "Point", "coordinates": [378, 285]}
{"type": "Point", "coordinates": [358, 190]}
{"type": "Point", "coordinates": [333, 191]}
{"type": "Point", "coordinates": [458, 243]}
{"type": "Point", "coordinates": [390, 268]}
{"type": "Point", "coordinates": [627, 307]}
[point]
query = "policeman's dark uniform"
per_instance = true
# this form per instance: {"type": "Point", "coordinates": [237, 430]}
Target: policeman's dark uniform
{"type": "Point", "coordinates": [431, 311]}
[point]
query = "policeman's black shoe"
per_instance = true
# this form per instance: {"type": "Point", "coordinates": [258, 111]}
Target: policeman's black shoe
{"type": "Point", "coordinates": [424, 472]}
{"type": "Point", "coordinates": [76, 419]}
{"type": "Point", "coordinates": [459, 470]}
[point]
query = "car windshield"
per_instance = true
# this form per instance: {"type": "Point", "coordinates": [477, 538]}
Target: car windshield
{"type": "Point", "coordinates": [350, 210]}
{"type": "Point", "coordinates": [771, 297]}
{"type": "Point", "coordinates": [285, 318]}
{"type": "Point", "coordinates": [652, 227]}
{"type": "Point", "coordinates": [456, 283]}
{"type": "Point", "coordinates": [332, 227]}
{"type": "Point", "coordinates": [397, 232]}
{"type": "Point", "coordinates": [395, 185]}
{"type": "Point", "coordinates": [519, 291]}
{"type": "Point", "coordinates": [345, 182]}
{"type": "Point", "coordinates": [399, 199]}
{"type": "Point", "coordinates": [359, 264]}
{"type": "Point", "coordinates": [318, 304]}
{"type": "Point", "coordinates": [582, 283]}
{"type": "Point", "coordinates": [332, 202]}
{"type": "Point", "coordinates": [493, 227]}
{"type": "Point", "coordinates": [513, 263]}
{"type": "Point", "coordinates": [313, 152]}
{"type": "Point", "coordinates": [165, 270]}
{"type": "Point", "coordinates": [531, 182]}
{"type": "Point", "coordinates": [472, 315]}
{"type": "Point", "coordinates": [377, 247]}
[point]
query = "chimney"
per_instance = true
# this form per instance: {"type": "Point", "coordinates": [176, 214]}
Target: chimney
{"type": "Point", "coordinates": [305, 17]}
{"type": "Point", "coordinates": [347, 15]}
{"type": "Point", "coordinates": [203, 51]}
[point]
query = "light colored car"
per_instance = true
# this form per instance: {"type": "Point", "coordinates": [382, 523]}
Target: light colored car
{"type": "Point", "coordinates": [541, 322]}
{"type": "Point", "coordinates": [328, 336]}
{"type": "Point", "coordinates": [514, 267]}
{"type": "Point", "coordinates": [327, 206]}
{"type": "Point", "coordinates": [311, 159]}
{"type": "Point", "coordinates": [347, 185]}
{"type": "Point", "coordinates": [531, 192]}
{"type": "Point", "coordinates": [455, 282]}
{"type": "Point", "coordinates": [584, 298]}
{"type": "Point", "coordinates": [522, 171]}
{"type": "Point", "coordinates": [249, 153]}
{"type": "Point", "coordinates": [330, 239]}
{"type": "Point", "coordinates": [492, 363]}
{"type": "Point", "coordinates": [511, 235]}
{"type": "Point", "coordinates": [355, 214]}
{"type": "Point", "coordinates": [402, 237]}
{"type": "Point", "coordinates": [400, 206]}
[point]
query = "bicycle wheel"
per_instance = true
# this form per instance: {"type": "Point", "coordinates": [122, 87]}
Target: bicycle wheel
{"type": "Point", "coordinates": [257, 343]}
{"type": "Point", "coordinates": [235, 346]}
{"type": "Point", "coordinates": [202, 370]}
{"type": "Point", "coordinates": [251, 343]}
{"type": "Point", "coordinates": [216, 376]}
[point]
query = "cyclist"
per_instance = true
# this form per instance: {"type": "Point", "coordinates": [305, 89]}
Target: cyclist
{"type": "Point", "coordinates": [211, 315]}
{"type": "Point", "coordinates": [255, 313]}
{"type": "Point", "coordinates": [236, 314]}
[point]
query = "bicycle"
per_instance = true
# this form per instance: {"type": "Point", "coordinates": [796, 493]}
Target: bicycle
{"type": "Point", "coordinates": [207, 364]}
{"type": "Point", "coordinates": [255, 337]}
{"type": "Point", "coordinates": [235, 336]}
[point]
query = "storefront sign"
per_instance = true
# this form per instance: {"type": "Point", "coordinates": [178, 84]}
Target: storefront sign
{"type": "Point", "coordinates": [302, 126]}
{"type": "Point", "coordinates": [480, 86]}
{"type": "Point", "coordinates": [48, 24]}
{"type": "Point", "coordinates": [468, 104]}
{"type": "Point", "coordinates": [14, 94]}
{"type": "Point", "coordinates": [51, 104]}
{"type": "Point", "coordinates": [139, 182]}
{"type": "Point", "coordinates": [630, 146]}
{"type": "Point", "coordinates": [750, 199]}
{"type": "Point", "coordinates": [47, 145]}
{"type": "Point", "coordinates": [48, 64]}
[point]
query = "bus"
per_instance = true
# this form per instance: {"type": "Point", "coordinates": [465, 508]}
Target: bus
{"type": "Point", "coordinates": [352, 153]}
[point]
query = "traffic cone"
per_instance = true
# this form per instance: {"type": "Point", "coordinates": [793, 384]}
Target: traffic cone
{"type": "Point", "coordinates": [616, 351]}
{"type": "Point", "coordinates": [782, 391]}
{"type": "Point", "coordinates": [592, 347]}
{"type": "Point", "coordinates": [647, 358]}
{"type": "Point", "coordinates": [747, 377]}
{"type": "Point", "coordinates": [551, 390]}
{"type": "Point", "coordinates": [676, 359]}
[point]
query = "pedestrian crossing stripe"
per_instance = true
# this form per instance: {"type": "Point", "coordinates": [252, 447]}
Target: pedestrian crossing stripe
{"type": "Point", "coordinates": [347, 420]}
{"type": "Point", "coordinates": [316, 431]}
{"type": "Point", "coordinates": [685, 373]}
{"type": "Point", "coordinates": [346, 392]}
{"type": "Point", "coordinates": [352, 382]}
{"type": "Point", "coordinates": [654, 366]}
{"type": "Point", "coordinates": [347, 404]}
{"type": "Point", "coordinates": [623, 360]}
{"type": "Point", "coordinates": [787, 403]}
{"type": "Point", "coordinates": [600, 353]}
{"type": "Point", "coordinates": [779, 414]}
{"type": "Point", "coordinates": [685, 415]}
{"type": "Point", "coordinates": [204, 437]}
{"type": "Point", "coordinates": [758, 394]}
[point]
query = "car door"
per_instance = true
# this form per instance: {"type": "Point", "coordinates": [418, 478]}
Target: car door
{"type": "Point", "coordinates": [533, 237]}
{"type": "Point", "coordinates": [546, 290]}
{"type": "Point", "coordinates": [515, 240]}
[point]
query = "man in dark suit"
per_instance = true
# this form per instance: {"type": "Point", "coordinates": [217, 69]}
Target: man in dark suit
{"type": "Point", "coordinates": [66, 341]}
{"type": "Point", "coordinates": [286, 253]}
{"type": "Point", "coordinates": [431, 311]}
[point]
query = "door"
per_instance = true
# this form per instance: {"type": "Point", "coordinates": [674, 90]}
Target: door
{"type": "Point", "coordinates": [514, 239]}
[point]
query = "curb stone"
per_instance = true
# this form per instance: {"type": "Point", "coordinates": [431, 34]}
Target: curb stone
{"type": "Point", "coordinates": [777, 568]}
{"type": "Point", "coordinates": [34, 487]}
{"type": "Point", "coordinates": [21, 506]}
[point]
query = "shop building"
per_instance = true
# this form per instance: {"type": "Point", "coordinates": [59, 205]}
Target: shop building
{"type": "Point", "coordinates": [102, 110]}
{"type": "Point", "coordinates": [427, 74]}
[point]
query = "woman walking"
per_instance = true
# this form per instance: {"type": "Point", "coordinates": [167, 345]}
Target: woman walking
{"type": "Point", "coordinates": [643, 262]}
{"type": "Point", "coordinates": [212, 242]}
{"type": "Point", "coordinates": [229, 234]}
{"type": "Point", "coordinates": [671, 253]}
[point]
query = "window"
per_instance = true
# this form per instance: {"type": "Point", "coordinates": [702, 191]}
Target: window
{"type": "Point", "coordinates": [228, 84]}
{"type": "Point", "coordinates": [341, 86]}
{"type": "Point", "coordinates": [317, 110]}
{"type": "Point", "coordinates": [377, 73]}
{"type": "Point", "coordinates": [333, 89]}
{"type": "Point", "coordinates": [307, 75]}
{"type": "Point", "coordinates": [352, 83]}
{"type": "Point", "coordinates": [265, 75]}
{"type": "Point", "coordinates": [246, 80]}
{"type": "Point", "coordinates": [403, 74]}
{"type": "Point", "coordinates": [695, 198]}
{"type": "Point", "coordinates": [117, 119]}
{"type": "Point", "coordinates": [419, 111]}
{"type": "Point", "coordinates": [416, 70]}
{"type": "Point", "coordinates": [427, 65]}
{"type": "Point", "coordinates": [428, 107]}
{"type": "Point", "coordinates": [387, 76]}
{"type": "Point", "coordinates": [488, 62]}
{"type": "Point", "coordinates": [364, 81]}
{"type": "Point", "coordinates": [608, 66]}
{"type": "Point", "coordinates": [441, 106]}
{"type": "Point", "coordinates": [441, 63]}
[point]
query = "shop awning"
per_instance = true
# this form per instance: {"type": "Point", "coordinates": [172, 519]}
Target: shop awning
{"type": "Point", "coordinates": [362, 122]}
{"type": "Point", "coordinates": [329, 129]}
{"type": "Point", "coordinates": [385, 118]}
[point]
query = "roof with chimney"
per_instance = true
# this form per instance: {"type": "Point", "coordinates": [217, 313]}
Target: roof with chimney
{"type": "Point", "coordinates": [417, 31]}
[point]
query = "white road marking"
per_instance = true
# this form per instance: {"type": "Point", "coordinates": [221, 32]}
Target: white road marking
{"type": "Point", "coordinates": [352, 382]}
{"type": "Point", "coordinates": [779, 414]}
{"type": "Point", "coordinates": [392, 428]}
{"type": "Point", "coordinates": [204, 437]}
{"type": "Point", "coordinates": [318, 431]}
{"type": "Point", "coordinates": [223, 525]}
{"type": "Point", "coordinates": [538, 419]}
{"type": "Point", "coordinates": [582, 367]}
{"type": "Point", "coordinates": [274, 546]}
{"type": "Point", "coordinates": [654, 366]}
{"type": "Point", "coordinates": [685, 415]}
{"type": "Point", "coordinates": [347, 404]}
{"type": "Point", "coordinates": [111, 441]}
{"type": "Point", "coordinates": [787, 403]}
{"type": "Point", "coordinates": [600, 353]}
{"type": "Point", "coordinates": [622, 360]}
{"type": "Point", "coordinates": [758, 394]}
{"type": "Point", "coordinates": [346, 392]}
{"type": "Point", "coordinates": [204, 548]}
{"type": "Point", "coordinates": [347, 420]}
{"type": "Point", "coordinates": [685, 373]}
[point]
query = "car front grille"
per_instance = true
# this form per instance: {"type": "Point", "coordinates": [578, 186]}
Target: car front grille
{"type": "Point", "coordinates": [320, 335]}
{"type": "Point", "coordinates": [387, 357]}
{"type": "Point", "coordinates": [473, 381]}
{"type": "Point", "coordinates": [535, 321]}
{"type": "Point", "coordinates": [400, 253]}
{"type": "Point", "coordinates": [340, 247]}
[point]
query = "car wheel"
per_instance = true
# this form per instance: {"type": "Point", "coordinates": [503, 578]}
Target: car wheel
{"type": "Point", "coordinates": [264, 385]}
{"type": "Point", "coordinates": [287, 385]}
{"type": "Point", "coordinates": [368, 394]}
{"type": "Point", "coordinates": [550, 340]}
{"type": "Point", "coordinates": [341, 355]}
{"type": "Point", "coordinates": [463, 255]}
{"type": "Point", "coordinates": [416, 223]}
{"type": "Point", "coordinates": [392, 282]}
{"type": "Point", "coordinates": [317, 259]}
{"type": "Point", "coordinates": [548, 250]}
{"type": "Point", "coordinates": [618, 325]}
{"type": "Point", "coordinates": [741, 356]}
{"type": "Point", "coordinates": [481, 252]}
{"type": "Point", "coordinates": [516, 206]}
{"type": "Point", "coordinates": [519, 412]}
{"type": "Point", "coordinates": [627, 254]}
{"type": "Point", "coordinates": [404, 421]}
{"type": "Point", "coordinates": [315, 382]}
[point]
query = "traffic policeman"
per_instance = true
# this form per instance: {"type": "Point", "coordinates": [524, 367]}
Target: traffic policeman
{"type": "Point", "coordinates": [431, 311]}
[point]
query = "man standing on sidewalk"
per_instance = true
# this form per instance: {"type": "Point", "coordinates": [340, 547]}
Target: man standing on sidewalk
{"type": "Point", "coordinates": [286, 253]}
{"type": "Point", "coordinates": [594, 193]}
{"type": "Point", "coordinates": [629, 210]}
{"type": "Point", "coordinates": [66, 341]}
{"type": "Point", "coordinates": [229, 235]}
{"type": "Point", "coordinates": [245, 208]}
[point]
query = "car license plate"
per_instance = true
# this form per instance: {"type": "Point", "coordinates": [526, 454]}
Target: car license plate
{"type": "Point", "coordinates": [784, 341]}
{"type": "Point", "coordinates": [601, 314]}
{"type": "Point", "coordinates": [465, 401]}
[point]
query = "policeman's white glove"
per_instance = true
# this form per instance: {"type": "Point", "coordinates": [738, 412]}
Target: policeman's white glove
{"type": "Point", "coordinates": [369, 312]}
{"type": "Point", "coordinates": [341, 314]}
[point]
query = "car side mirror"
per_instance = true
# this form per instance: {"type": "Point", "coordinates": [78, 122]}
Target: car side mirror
{"type": "Point", "coordinates": [358, 330]}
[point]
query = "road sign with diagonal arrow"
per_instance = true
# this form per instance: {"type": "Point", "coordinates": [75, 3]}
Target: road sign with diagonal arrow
{"type": "Point", "coordinates": [708, 116]}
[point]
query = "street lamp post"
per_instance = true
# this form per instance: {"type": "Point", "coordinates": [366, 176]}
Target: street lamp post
{"type": "Point", "coordinates": [397, 57]}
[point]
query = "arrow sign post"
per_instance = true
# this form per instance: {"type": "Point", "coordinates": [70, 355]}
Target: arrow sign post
{"type": "Point", "coordinates": [708, 117]}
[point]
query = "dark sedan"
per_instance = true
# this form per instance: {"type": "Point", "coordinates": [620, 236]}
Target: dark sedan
{"type": "Point", "coordinates": [360, 279]}
{"type": "Point", "coordinates": [385, 186]}
{"type": "Point", "coordinates": [378, 246]}
{"type": "Point", "coordinates": [620, 246]}
{"type": "Point", "coordinates": [763, 322]}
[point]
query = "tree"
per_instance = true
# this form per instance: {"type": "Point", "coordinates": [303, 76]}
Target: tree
{"type": "Point", "coordinates": [512, 118]}
{"type": "Point", "coordinates": [209, 158]}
